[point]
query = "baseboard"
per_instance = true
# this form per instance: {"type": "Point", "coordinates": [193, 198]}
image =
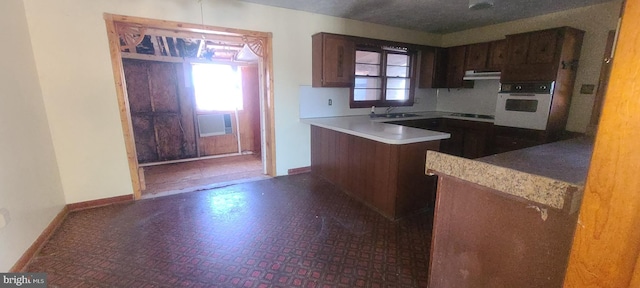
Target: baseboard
{"type": "Point", "coordinates": [299, 170]}
{"type": "Point", "coordinates": [33, 250]}
{"type": "Point", "coordinates": [99, 202]}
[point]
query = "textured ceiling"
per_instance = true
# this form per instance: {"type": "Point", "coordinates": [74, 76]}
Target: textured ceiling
{"type": "Point", "coordinates": [435, 16]}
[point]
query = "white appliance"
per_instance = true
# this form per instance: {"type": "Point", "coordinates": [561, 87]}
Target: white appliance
{"type": "Point", "coordinates": [480, 75]}
{"type": "Point", "coordinates": [524, 105]}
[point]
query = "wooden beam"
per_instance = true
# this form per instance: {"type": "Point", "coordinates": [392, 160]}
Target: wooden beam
{"type": "Point", "coordinates": [148, 57]}
{"type": "Point", "coordinates": [606, 244]}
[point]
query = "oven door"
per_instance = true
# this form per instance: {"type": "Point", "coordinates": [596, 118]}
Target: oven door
{"type": "Point", "coordinates": [523, 110]}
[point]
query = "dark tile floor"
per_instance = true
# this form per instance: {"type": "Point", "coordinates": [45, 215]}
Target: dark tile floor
{"type": "Point", "coordinates": [292, 231]}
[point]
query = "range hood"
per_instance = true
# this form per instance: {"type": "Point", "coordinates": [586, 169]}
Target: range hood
{"type": "Point", "coordinates": [478, 75]}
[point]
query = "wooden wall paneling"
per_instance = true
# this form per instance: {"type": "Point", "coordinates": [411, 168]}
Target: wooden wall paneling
{"type": "Point", "coordinates": [369, 159]}
{"type": "Point", "coordinates": [416, 191]}
{"type": "Point", "coordinates": [187, 112]}
{"type": "Point", "coordinates": [344, 171]}
{"type": "Point", "coordinates": [565, 79]}
{"type": "Point", "coordinates": [169, 136]}
{"type": "Point", "coordinates": [606, 246]}
{"type": "Point", "coordinates": [382, 177]}
{"type": "Point", "coordinates": [163, 87]}
{"type": "Point", "coordinates": [145, 138]}
{"type": "Point", "coordinates": [250, 115]}
{"type": "Point", "coordinates": [123, 102]}
{"type": "Point", "coordinates": [138, 95]}
{"type": "Point", "coordinates": [486, 238]}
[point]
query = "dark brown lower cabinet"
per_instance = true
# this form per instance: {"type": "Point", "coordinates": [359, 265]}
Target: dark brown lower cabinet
{"type": "Point", "coordinates": [388, 178]}
{"type": "Point", "coordinates": [486, 238]}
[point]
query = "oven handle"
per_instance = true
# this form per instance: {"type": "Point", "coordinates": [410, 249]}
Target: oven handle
{"type": "Point", "coordinates": [523, 94]}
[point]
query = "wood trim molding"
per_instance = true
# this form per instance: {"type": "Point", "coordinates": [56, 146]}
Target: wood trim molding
{"type": "Point", "coordinates": [48, 231]}
{"type": "Point", "coordinates": [606, 245]}
{"type": "Point", "coordinates": [299, 170]}
{"type": "Point", "coordinates": [123, 104]}
{"type": "Point", "coordinates": [99, 202]}
{"type": "Point", "coordinates": [33, 250]}
{"type": "Point", "coordinates": [179, 28]}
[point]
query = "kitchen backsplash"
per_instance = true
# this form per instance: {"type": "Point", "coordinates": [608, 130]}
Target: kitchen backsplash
{"type": "Point", "coordinates": [314, 102]}
{"type": "Point", "coordinates": [479, 100]}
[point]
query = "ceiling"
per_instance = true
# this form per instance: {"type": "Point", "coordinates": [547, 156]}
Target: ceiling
{"type": "Point", "coordinates": [434, 16]}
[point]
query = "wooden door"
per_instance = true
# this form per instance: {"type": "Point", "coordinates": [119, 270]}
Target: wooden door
{"type": "Point", "coordinates": [161, 111]}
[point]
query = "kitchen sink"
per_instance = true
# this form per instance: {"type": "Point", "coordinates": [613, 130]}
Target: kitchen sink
{"type": "Point", "coordinates": [394, 115]}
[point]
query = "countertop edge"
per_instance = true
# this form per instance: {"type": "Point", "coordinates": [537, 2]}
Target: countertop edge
{"type": "Point", "coordinates": [435, 135]}
{"type": "Point", "coordinates": [543, 190]}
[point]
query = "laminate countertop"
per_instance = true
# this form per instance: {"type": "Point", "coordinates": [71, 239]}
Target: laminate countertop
{"type": "Point", "coordinates": [375, 129]}
{"type": "Point", "coordinates": [551, 174]}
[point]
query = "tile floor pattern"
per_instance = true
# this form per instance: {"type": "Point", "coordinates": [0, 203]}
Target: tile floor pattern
{"type": "Point", "coordinates": [291, 231]}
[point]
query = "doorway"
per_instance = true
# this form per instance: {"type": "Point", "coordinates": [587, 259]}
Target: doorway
{"type": "Point", "coordinates": [181, 134]}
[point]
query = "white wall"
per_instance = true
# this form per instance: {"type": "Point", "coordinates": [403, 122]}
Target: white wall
{"type": "Point", "coordinates": [74, 68]}
{"type": "Point", "coordinates": [314, 102]}
{"type": "Point", "coordinates": [30, 188]}
{"type": "Point", "coordinates": [596, 20]}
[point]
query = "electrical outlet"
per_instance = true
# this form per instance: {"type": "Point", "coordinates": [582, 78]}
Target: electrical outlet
{"type": "Point", "coordinates": [330, 102]}
{"type": "Point", "coordinates": [4, 217]}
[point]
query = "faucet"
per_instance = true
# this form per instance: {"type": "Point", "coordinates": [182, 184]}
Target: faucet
{"type": "Point", "coordinates": [389, 109]}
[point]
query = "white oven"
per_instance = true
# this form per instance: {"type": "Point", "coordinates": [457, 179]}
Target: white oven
{"type": "Point", "coordinates": [524, 105]}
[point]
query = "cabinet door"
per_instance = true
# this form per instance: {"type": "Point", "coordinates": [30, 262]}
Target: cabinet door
{"type": "Point", "coordinates": [455, 66]}
{"type": "Point", "coordinates": [477, 56]}
{"type": "Point", "coordinates": [332, 60]}
{"type": "Point", "coordinates": [542, 47]}
{"type": "Point", "coordinates": [427, 67]}
{"type": "Point", "coordinates": [497, 55]}
{"type": "Point", "coordinates": [517, 47]}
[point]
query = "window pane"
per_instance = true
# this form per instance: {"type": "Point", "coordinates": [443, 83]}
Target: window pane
{"type": "Point", "coordinates": [397, 94]}
{"type": "Point", "coordinates": [368, 57]}
{"type": "Point", "coordinates": [367, 70]}
{"type": "Point", "coordinates": [368, 82]}
{"type": "Point", "coordinates": [217, 87]}
{"type": "Point", "coordinates": [397, 71]}
{"type": "Point", "coordinates": [398, 59]}
{"type": "Point", "coordinates": [366, 94]}
{"type": "Point", "coordinates": [398, 83]}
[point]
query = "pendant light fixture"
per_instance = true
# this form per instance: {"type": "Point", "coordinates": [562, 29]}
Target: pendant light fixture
{"type": "Point", "coordinates": [480, 4]}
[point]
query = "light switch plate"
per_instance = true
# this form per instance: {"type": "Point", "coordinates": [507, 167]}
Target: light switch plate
{"type": "Point", "coordinates": [587, 88]}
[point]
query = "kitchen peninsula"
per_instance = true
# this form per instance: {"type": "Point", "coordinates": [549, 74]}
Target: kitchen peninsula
{"type": "Point", "coordinates": [507, 220]}
{"type": "Point", "coordinates": [379, 164]}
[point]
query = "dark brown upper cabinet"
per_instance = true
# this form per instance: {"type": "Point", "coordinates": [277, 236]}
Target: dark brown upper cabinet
{"type": "Point", "coordinates": [333, 60]}
{"type": "Point", "coordinates": [497, 55]}
{"type": "Point", "coordinates": [541, 55]}
{"type": "Point", "coordinates": [431, 65]}
{"type": "Point", "coordinates": [486, 56]}
{"type": "Point", "coordinates": [442, 67]}
{"type": "Point", "coordinates": [455, 60]}
{"type": "Point", "coordinates": [477, 55]}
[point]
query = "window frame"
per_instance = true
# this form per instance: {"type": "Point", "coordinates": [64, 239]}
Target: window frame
{"type": "Point", "coordinates": [384, 51]}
